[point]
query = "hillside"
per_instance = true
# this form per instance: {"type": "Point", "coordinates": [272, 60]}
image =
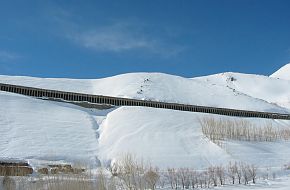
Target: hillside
{"type": "Point", "coordinates": [39, 130]}
{"type": "Point", "coordinates": [272, 90]}
{"type": "Point", "coordinates": [155, 86]}
{"type": "Point", "coordinates": [42, 131]}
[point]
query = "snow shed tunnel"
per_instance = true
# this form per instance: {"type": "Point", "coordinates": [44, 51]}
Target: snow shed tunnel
{"type": "Point", "coordinates": [73, 97]}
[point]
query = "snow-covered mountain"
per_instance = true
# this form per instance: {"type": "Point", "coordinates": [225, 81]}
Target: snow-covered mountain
{"type": "Point", "coordinates": [42, 131]}
{"type": "Point", "coordinates": [283, 73]}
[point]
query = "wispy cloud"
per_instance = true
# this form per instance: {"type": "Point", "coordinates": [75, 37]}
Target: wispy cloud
{"type": "Point", "coordinates": [6, 56]}
{"type": "Point", "coordinates": [121, 37]}
{"type": "Point", "coordinates": [117, 36]}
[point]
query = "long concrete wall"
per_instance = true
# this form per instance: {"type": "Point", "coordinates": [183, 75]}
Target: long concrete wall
{"type": "Point", "coordinates": [115, 101]}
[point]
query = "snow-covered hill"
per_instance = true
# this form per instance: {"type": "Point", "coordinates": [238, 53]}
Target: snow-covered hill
{"type": "Point", "coordinates": [283, 73]}
{"type": "Point", "coordinates": [272, 90]}
{"type": "Point", "coordinates": [43, 131]}
{"type": "Point", "coordinates": [155, 86]}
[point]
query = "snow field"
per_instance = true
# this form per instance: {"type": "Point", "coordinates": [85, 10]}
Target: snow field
{"type": "Point", "coordinates": [44, 131]}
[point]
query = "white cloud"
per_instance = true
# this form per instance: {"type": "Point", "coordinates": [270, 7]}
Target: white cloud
{"type": "Point", "coordinates": [121, 37]}
{"type": "Point", "coordinates": [7, 56]}
{"type": "Point", "coordinates": [117, 37]}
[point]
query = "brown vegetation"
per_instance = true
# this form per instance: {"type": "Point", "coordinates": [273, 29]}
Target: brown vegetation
{"type": "Point", "coordinates": [15, 170]}
{"type": "Point", "coordinates": [58, 168]}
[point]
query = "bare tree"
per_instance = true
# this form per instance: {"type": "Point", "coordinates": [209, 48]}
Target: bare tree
{"type": "Point", "coordinates": [252, 170]}
{"type": "Point", "coordinates": [202, 179]}
{"type": "Point", "coordinates": [130, 172]}
{"type": "Point", "coordinates": [220, 173]}
{"type": "Point", "coordinates": [212, 175]}
{"type": "Point", "coordinates": [232, 171]}
{"type": "Point", "coordinates": [172, 178]}
{"type": "Point", "coordinates": [152, 177]}
{"type": "Point", "coordinates": [194, 179]}
{"type": "Point", "coordinates": [239, 173]}
{"type": "Point", "coordinates": [183, 175]}
{"type": "Point", "coordinates": [245, 174]}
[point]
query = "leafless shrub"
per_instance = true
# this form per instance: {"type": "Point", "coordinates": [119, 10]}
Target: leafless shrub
{"type": "Point", "coordinates": [219, 130]}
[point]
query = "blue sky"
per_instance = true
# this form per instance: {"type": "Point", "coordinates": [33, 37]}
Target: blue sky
{"type": "Point", "coordinates": [94, 39]}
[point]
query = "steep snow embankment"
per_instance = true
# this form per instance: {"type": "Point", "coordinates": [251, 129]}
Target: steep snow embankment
{"type": "Point", "coordinates": [282, 73]}
{"type": "Point", "coordinates": [45, 131]}
{"type": "Point", "coordinates": [170, 138]}
{"type": "Point", "coordinates": [154, 86]}
{"type": "Point", "coordinates": [272, 90]}
{"type": "Point", "coordinates": [164, 137]}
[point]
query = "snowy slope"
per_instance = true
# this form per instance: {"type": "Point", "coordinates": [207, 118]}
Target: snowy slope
{"type": "Point", "coordinates": [43, 131]}
{"type": "Point", "coordinates": [171, 138]}
{"type": "Point", "coordinates": [282, 73]}
{"type": "Point", "coordinates": [272, 90]}
{"type": "Point", "coordinates": [163, 137]}
{"type": "Point", "coordinates": [154, 86]}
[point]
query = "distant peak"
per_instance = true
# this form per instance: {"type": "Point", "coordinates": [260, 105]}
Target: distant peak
{"type": "Point", "coordinates": [283, 72]}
